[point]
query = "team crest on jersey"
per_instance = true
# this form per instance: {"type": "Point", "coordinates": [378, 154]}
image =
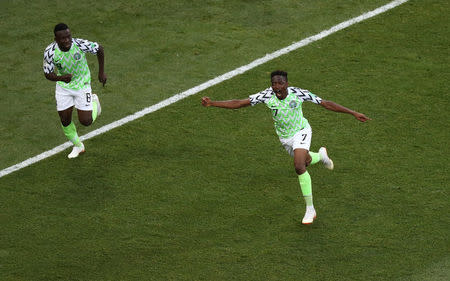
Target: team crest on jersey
{"type": "Point", "coordinates": [293, 104]}
{"type": "Point", "coordinates": [77, 56]}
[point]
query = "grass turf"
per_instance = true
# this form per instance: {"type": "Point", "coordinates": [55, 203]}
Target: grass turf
{"type": "Point", "coordinates": [209, 194]}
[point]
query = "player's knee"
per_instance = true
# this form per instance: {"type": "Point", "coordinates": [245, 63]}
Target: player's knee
{"type": "Point", "coordinates": [86, 122]}
{"type": "Point", "coordinates": [300, 168]}
{"type": "Point", "coordinates": [308, 162]}
{"type": "Point", "coordinates": [65, 122]}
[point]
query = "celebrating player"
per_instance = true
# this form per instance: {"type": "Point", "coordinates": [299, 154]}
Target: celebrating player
{"type": "Point", "coordinates": [292, 128]}
{"type": "Point", "coordinates": [65, 62]}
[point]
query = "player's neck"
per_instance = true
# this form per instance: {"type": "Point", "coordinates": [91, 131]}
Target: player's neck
{"type": "Point", "coordinates": [282, 96]}
{"type": "Point", "coordinates": [64, 49]}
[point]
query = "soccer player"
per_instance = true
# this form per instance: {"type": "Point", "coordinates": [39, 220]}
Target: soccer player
{"type": "Point", "coordinates": [65, 62]}
{"type": "Point", "coordinates": [292, 128]}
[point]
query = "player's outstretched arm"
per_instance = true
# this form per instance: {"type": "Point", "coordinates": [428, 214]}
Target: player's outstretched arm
{"type": "Point", "coordinates": [339, 108]}
{"type": "Point", "coordinates": [101, 65]}
{"type": "Point", "coordinates": [230, 104]}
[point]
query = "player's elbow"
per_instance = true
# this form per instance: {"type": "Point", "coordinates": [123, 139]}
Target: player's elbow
{"type": "Point", "coordinates": [327, 104]}
{"type": "Point", "coordinates": [49, 76]}
{"type": "Point", "coordinates": [100, 51]}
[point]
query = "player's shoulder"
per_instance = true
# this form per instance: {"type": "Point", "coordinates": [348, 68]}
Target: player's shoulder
{"type": "Point", "coordinates": [265, 94]}
{"type": "Point", "coordinates": [49, 53]}
{"type": "Point", "coordinates": [305, 95]}
{"type": "Point", "coordinates": [51, 47]}
{"type": "Point", "coordinates": [296, 90]}
{"type": "Point", "coordinates": [79, 41]}
{"type": "Point", "coordinates": [268, 91]}
{"type": "Point", "coordinates": [299, 91]}
{"type": "Point", "coordinates": [261, 97]}
{"type": "Point", "coordinates": [86, 45]}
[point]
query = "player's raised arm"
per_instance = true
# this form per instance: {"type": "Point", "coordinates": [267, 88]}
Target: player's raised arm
{"type": "Point", "coordinates": [339, 108]}
{"type": "Point", "coordinates": [230, 104]}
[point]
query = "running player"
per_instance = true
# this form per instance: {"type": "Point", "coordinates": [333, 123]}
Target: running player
{"type": "Point", "coordinates": [292, 128]}
{"type": "Point", "coordinates": [65, 62]}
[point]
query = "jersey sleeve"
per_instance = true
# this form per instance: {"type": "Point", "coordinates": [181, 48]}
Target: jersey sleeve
{"type": "Point", "coordinates": [306, 95]}
{"type": "Point", "coordinates": [49, 53]}
{"type": "Point", "coordinates": [87, 46]}
{"type": "Point", "coordinates": [261, 97]}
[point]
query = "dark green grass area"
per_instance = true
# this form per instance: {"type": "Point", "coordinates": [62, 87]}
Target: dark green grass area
{"type": "Point", "coordinates": [192, 193]}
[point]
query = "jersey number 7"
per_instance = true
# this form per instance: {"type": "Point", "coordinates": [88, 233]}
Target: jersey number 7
{"type": "Point", "coordinates": [275, 112]}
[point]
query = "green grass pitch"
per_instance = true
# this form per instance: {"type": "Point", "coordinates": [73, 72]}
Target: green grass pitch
{"type": "Point", "coordinates": [193, 193]}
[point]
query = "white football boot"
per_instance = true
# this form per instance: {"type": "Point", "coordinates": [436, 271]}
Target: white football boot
{"type": "Point", "coordinates": [310, 215]}
{"type": "Point", "coordinates": [327, 162]}
{"type": "Point", "coordinates": [76, 150]}
{"type": "Point", "coordinates": [99, 108]}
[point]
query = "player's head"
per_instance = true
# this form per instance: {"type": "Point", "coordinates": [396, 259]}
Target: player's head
{"type": "Point", "coordinates": [279, 81]}
{"type": "Point", "coordinates": [63, 37]}
{"type": "Point", "coordinates": [279, 73]}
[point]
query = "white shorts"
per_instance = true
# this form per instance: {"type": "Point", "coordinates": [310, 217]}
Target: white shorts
{"type": "Point", "coordinates": [302, 139]}
{"type": "Point", "coordinates": [81, 99]}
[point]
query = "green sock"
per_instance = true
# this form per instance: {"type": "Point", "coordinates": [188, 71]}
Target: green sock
{"type": "Point", "coordinates": [94, 111]}
{"type": "Point", "coordinates": [305, 185]}
{"type": "Point", "coordinates": [71, 133]}
{"type": "Point", "coordinates": [315, 157]}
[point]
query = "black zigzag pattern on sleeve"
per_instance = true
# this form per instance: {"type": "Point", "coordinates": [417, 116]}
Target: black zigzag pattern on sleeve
{"type": "Point", "coordinates": [261, 97]}
{"type": "Point", "coordinates": [306, 95]}
{"type": "Point", "coordinates": [86, 46]}
{"type": "Point", "coordinates": [49, 53]}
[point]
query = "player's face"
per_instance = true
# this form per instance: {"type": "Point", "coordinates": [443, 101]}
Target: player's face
{"type": "Point", "coordinates": [279, 86]}
{"type": "Point", "coordinates": [64, 39]}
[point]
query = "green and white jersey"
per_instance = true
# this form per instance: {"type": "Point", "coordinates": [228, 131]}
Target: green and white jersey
{"type": "Point", "coordinates": [287, 114]}
{"type": "Point", "coordinates": [71, 62]}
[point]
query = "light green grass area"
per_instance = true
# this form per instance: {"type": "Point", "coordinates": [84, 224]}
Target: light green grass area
{"type": "Point", "coordinates": [193, 193]}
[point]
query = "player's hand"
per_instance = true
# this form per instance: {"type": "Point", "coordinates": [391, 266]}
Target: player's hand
{"type": "Point", "coordinates": [361, 117]}
{"type": "Point", "coordinates": [206, 101]}
{"type": "Point", "coordinates": [102, 78]}
{"type": "Point", "coordinates": [66, 78]}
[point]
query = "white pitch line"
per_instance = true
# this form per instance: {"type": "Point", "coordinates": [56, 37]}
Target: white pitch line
{"type": "Point", "coordinates": [205, 85]}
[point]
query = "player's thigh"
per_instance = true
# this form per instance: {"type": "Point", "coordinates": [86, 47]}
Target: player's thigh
{"type": "Point", "coordinates": [83, 99]}
{"type": "Point", "coordinates": [64, 99]}
{"type": "Point", "coordinates": [65, 116]}
{"type": "Point", "coordinates": [302, 139]}
{"type": "Point", "coordinates": [301, 158]}
{"type": "Point", "coordinates": [288, 145]}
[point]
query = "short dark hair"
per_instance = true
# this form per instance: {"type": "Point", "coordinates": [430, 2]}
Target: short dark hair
{"type": "Point", "coordinates": [59, 27]}
{"type": "Point", "coordinates": [279, 73]}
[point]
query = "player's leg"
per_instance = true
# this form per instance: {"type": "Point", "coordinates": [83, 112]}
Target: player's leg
{"type": "Point", "coordinates": [64, 106]}
{"type": "Point", "coordinates": [85, 117]}
{"type": "Point", "coordinates": [327, 162]}
{"type": "Point", "coordinates": [71, 132]}
{"type": "Point", "coordinates": [322, 155]}
{"type": "Point", "coordinates": [302, 159]}
{"type": "Point", "coordinates": [88, 106]}
{"type": "Point", "coordinates": [315, 157]}
{"type": "Point", "coordinates": [68, 126]}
